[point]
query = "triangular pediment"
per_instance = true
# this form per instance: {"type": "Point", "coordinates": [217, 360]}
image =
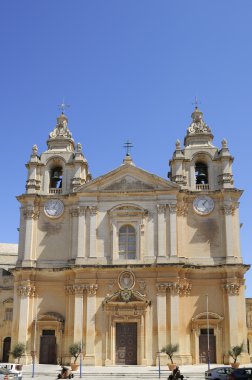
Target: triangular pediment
{"type": "Point", "coordinates": [127, 178]}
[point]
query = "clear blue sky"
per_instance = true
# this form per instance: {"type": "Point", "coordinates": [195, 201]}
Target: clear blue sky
{"type": "Point", "coordinates": [130, 69]}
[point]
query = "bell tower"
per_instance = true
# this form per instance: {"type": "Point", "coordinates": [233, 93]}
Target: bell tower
{"type": "Point", "coordinates": [200, 166]}
{"type": "Point", "coordinates": [61, 167]}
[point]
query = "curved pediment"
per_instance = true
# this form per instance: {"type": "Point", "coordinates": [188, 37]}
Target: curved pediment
{"type": "Point", "coordinates": [51, 316]}
{"type": "Point", "coordinates": [206, 315]}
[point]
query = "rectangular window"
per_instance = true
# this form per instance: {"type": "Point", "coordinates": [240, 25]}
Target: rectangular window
{"type": "Point", "coordinates": [48, 332]}
{"type": "Point", "coordinates": [8, 314]}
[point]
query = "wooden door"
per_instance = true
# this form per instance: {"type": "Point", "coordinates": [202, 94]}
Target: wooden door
{"type": "Point", "coordinates": [126, 343]}
{"type": "Point", "coordinates": [6, 349]}
{"type": "Point", "coordinates": [203, 356]}
{"type": "Point", "coordinates": [47, 353]}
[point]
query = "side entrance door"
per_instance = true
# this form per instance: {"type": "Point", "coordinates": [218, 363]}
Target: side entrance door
{"type": "Point", "coordinates": [6, 349]}
{"type": "Point", "coordinates": [48, 352]}
{"type": "Point", "coordinates": [126, 343]}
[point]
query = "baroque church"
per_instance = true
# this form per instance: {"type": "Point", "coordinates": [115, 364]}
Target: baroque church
{"type": "Point", "coordinates": [127, 262]}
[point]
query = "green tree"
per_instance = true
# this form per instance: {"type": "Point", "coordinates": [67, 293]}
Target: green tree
{"type": "Point", "coordinates": [170, 349]}
{"type": "Point", "coordinates": [75, 350]}
{"type": "Point", "coordinates": [235, 351]}
{"type": "Point", "coordinates": [18, 350]}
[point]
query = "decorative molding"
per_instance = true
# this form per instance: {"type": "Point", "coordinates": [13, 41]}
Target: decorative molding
{"type": "Point", "coordinates": [31, 213]}
{"type": "Point", "coordinates": [182, 209]}
{"type": "Point", "coordinates": [233, 288]}
{"type": "Point", "coordinates": [172, 208]}
{"type": "Point", "coordinates": [26, 290]}
{"type": "Point", "coordinates": [179, 179]}
{"type": "Point", "coordinates": [90, 289]}
{"type": "Point", "coordinates": [229, 209]}
{"type": "Point", "coordinates": [162, 287]}
{"type": "Point", "coordinates": [93, 210]}
{"type": "Point", "coordinates": [161, 208]}
{"type": "Point", "coordinates": [182, 287]}
{"type": "Point", "coordinates": [78, 210]}
{"type": "Point", "coordinates": [225, 178]}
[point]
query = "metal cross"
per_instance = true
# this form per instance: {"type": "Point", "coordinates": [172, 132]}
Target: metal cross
{"type": "Point", "coordinates": [128, 146]}
{"type": "Point", "coordinates": [63, 106]}
{"type": "Point", "coordinates": [196, 102]}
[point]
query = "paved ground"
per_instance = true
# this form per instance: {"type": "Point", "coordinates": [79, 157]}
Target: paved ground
{"type": "Point", "coordinates": [43, 371]}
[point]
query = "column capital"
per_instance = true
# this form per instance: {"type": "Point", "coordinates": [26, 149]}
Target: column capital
{"type": "Point", "coordinates": [229, 209]}
{"type": "Point", "coordinates": [233, 288]}
{"type": "Point", "coordinates": [31, 213]}
{"type": "Point", "coordinates": [172, 208]}
{"type": "Point", "coordinates": [182, 209]}
{"type": "Point", "coordinates": [92, 289]}
{"type": "Point", "coordinates": [182, 287]}
{"type": "Point", "coordinates": [93, 210]}
{"type": "Point", "coordinates": [26, 290]}
{"type": "Point", "coordinates": [161, 208]}
{"type": "Point", "coordinates": [78, 210]}
{"type": "Point", "coordinates": [162, 287]}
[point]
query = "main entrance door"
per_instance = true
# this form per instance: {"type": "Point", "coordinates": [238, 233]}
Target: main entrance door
{"type": "Point", "coordinates": [47, 353]}
{"type": "Point", "coordinates": [126, 343]}
{"type": "Point", "coordinates": [203, 346]}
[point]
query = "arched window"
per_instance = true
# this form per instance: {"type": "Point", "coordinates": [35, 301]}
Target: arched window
{"type": "Point", "coordinates": [127, 242]}
{"type": "Point", "coordinates": [56, 178]}
{"type": "Point", "coordinates": [201, 173]}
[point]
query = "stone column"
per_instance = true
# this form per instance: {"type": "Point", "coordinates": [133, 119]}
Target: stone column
{"type": "Point", "coordinates": [78, 313]}
{"type": "Point", "coordinates": [149, 237]}
{"type": "Point", "coordinates": [25, 292]}
{"type": "Point", "coordinates": [74, 242]}
{"type": "Point", "coordinates": [232, 290]}
{"type": "Point", "coordinates": [228, 214]}
{"type": "Point", "coordinates": [78, 234]}
{"type": "Point", "coordinates": [81, 233]}
{"type": "Point", "coordinates": [108, 322]}
{"type": "Point", "coordinates": [89, 358]}
{"type": "Point", "coordinates": [161, 319]}
{"type": "Point", "coordinates": [30, 215]}
{"type": "Point", "coordinates": [114, 241]}
{"type": "Point", "coordinates": [173, 229]}
{"type": "Point", "coordinates": [174, 314]}
{"type": "Point", "coordinates": [161, 230]}
{"type": "Point", "coordinates": [92, 243]}
{"type": "Point", "coordinates": [237, 316]}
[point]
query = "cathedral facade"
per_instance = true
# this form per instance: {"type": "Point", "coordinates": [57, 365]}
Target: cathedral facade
{"type": "Point", "coordinates": [127, 262]}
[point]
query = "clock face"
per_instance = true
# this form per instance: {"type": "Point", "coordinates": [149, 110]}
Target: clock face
{"type": "Point", "coordinates": [203, 205]}
{"type": "Point", "coordinates": [54, 208]}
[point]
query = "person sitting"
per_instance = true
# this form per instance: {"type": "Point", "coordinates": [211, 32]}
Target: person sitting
{"type": "Point", "coordinates": [176, 374]}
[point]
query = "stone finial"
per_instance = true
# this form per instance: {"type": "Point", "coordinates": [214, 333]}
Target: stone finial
{"type": "Point", "coordinates": [79, 148]}
{"type": "Point", "coordinates": [61, 129]}
{"type": "Point", "coordinates": [34, 150]}
{"type": "Point", "coordinates": [224, 144]}
{"type": "Point", "coordinates": [178, 145]}
{"type": "Point", "coordinates": [198, 125]}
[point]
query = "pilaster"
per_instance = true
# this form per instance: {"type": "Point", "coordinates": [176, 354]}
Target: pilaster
{"type": "Point", "coordinates": [161, 208]}
{"type": "Point", "coordinates": [90, 324]}
{"type": "Point", "coordinates": [173, 228]}
{"type": "Point", "coordinates": [31, 215]}
{"type": "Point", "coordinates": [92, 246]}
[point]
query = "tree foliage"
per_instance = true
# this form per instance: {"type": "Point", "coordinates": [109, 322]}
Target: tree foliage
{"type": "Point", "coordinates": [18, 351]}
{"type": "Point", "coordinates": [170, 349]}
{"type": "Point", "coordinates": [235, 351]}
{"type": "Point", "coordinates": [75, 350]}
